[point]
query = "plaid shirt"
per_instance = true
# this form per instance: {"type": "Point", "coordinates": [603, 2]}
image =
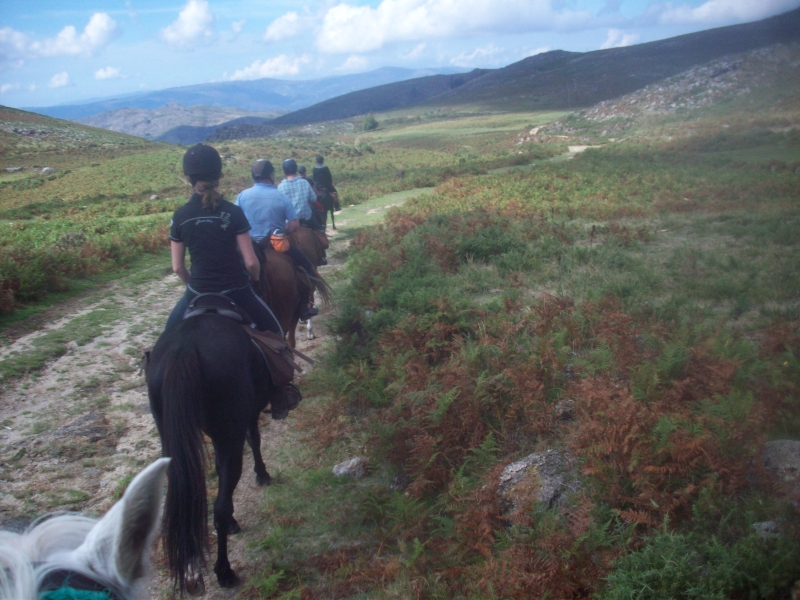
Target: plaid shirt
{"type": "Point", "coordinates": [301, 195]}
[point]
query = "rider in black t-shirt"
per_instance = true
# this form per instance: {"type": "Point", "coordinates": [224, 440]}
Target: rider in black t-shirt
{"type": "Point", "coordinates": [216, 234]}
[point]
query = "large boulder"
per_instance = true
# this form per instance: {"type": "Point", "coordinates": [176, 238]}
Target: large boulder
{"type": "Point", "coordinates": [547, 477]}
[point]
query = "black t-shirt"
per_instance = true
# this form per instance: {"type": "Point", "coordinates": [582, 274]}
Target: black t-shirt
{"type": "Point", "coordinates": [211, 239]}
{"type": "Point", "coordinates": [323, 178]}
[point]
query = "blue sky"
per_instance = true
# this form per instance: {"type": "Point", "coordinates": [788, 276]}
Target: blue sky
{"type": "Point", "coordinates": [54, 52]}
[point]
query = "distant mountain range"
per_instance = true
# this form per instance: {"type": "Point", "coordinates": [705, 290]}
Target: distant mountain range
{"type": "Point", "coordinates": [559, 79]}
{"type": "Point", "coordinates": [554, 80]}
{"type": "Point", "coordinates": [259, 95]}
{"type": "Point", "coordinates": [153, 124]}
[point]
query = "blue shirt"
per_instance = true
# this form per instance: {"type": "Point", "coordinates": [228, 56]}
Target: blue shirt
{"type": "Point", "coordinates": [301, 195]}
{"type": "Point", "coordinates": [266, 208]}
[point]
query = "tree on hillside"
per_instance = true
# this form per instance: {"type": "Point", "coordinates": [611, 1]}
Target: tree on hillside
{"type": "Point", "coordinates": [369, 123]}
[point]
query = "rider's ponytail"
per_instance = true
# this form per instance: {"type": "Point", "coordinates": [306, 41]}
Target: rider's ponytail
{"type": "Point", "coordinates": [208, 190]}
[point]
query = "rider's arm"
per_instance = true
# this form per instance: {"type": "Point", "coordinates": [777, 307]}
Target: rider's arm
{"type": "Point", "coordinates": [292, 225]}
{"type": "Point", "coordinates": [248, 254]}
{"type": "Point", "coordinates": [179, 260]}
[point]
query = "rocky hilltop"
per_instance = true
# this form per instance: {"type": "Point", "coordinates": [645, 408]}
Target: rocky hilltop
{"type": "Point", "coordinates": [153, 123]}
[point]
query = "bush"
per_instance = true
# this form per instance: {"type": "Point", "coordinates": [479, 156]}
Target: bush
{"type": "Point", "coordinates": [369, 123]}
{"type": "Point", "coordinates": [681, 567]}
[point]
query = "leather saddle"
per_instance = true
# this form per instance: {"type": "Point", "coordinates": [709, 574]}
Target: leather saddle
{"type": "Point", "coordinates": [218, 304]}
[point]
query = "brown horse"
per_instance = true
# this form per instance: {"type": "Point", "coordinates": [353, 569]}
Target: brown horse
{"type": "Point", "coordinates": [310, 243]}
{"type": "Point", "coordinates": [313, 244]}
{"type": "Point", "coordinates": [282, 286]}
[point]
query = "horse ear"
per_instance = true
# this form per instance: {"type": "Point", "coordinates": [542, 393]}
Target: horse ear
{"type": "Point", "coordinates": [116, 548]}
{"type": "Point", "coordinates": [141, 514]}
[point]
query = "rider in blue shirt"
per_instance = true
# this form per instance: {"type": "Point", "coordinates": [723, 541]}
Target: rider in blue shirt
{"type": "Point", "coordinates": [269, 210]}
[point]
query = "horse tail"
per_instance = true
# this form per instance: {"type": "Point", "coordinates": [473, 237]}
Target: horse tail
{"type": "Point", "coordinates": [321, 286]}
{"type": "Point", "coordinates": [185, 509]}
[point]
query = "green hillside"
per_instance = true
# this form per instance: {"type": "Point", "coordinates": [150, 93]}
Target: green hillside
{"type": "Point", "coordinates": [632, 312]}
{"type": "Point", "coordinates": [559, 80]}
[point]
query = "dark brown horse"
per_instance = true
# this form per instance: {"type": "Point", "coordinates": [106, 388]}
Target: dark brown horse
{"type": "Point", "coordinates": [205, 376]}
{"type": "Point", "coordinates": [282, 286]}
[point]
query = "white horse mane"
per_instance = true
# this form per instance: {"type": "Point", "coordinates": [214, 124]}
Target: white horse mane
{"type": "Point", "coordinates": [111, 551]}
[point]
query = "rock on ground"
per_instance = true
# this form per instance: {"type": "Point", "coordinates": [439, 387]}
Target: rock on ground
{"type": "Point", "coordinates": [355, 467]}
{"type": "Point", "coordinates": [547, 477]}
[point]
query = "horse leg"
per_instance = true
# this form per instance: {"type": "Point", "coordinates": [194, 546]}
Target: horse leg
{"type": "Point", "coordinates": [309, 324]}
{"type": "Point", "coordinates": [291, 334]}
{"type": "Point", "coordinates": [333, 221]}
{"type": "Point", "coordinates": [229, 470]}
{"type": "Point", "coordinates": [254, 439]}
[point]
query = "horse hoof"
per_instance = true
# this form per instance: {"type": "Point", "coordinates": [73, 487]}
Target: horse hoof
{"type": "Point", "coordinates": [234, 527]}
{"type": "Point", "coordinates": [196, 586]}
{"type": "Point", "coordinates": [228, 579]}
{"type": "Point", "coordinates": [263, 479]}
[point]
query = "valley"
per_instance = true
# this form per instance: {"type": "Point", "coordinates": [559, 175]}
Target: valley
{"type": "Point", "coordinates": [564, 342]}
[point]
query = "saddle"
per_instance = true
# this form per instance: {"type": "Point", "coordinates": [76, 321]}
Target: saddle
{"type": "Point", "coordinates": [218, 304]}
{"type": "Point", "coordinates": [277, 354]}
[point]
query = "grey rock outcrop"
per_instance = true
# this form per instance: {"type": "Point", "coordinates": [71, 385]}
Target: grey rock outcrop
{"type": "Point", "coordinates": [355, 467]}
{"type": "Point", "coordinates": [549, 473]}
{"type": "Point", "coordinates": [47, 171]}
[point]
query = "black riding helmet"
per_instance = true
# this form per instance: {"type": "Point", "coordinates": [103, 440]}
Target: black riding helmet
{"type": "Point", "coordinates": [202, 162]}
{"type": "Point", "coordinates": [262, 169]}
{"type": "Point", "coordinates": [290, 167]}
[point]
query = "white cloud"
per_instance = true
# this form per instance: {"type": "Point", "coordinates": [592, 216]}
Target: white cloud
{"type": "Point", "coordinates": [195, 26]}
{"type": "Point", "coordinates": [107, 73]}
{"type": "Point", "coordinates": [618, 39]}
{"type": "Point", "coordinates": [476, 57]}
{"type": "Point", "coordinates": [12, 44]}
{"type": "Point", "coordinates": [278, 66]}
{"type": "Point", "coordinates": [100, 30]}
{"type": "Point", "coordinates": [97, 34]}
{"type": "Point", "coordinates": [285, 27]}
{"type": "Point", "coordinates": [59, 80]}
{"type": "Point", "coordinates": [415, 52]}
{"type": "Point", "coordinates": [237, 26]}
{"type": "Point", "coordinates": [354, 63]}
{"type": "Point", "coordinates": [723, 11]}
{"type": "Point", "coordinates": [539, 50]}
{"type": "Point", "coordinates": [355, 29]}
{"type": "Point", "coordinates": [8, 87]}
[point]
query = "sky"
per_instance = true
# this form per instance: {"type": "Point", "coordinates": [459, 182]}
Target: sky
{"type": "Point", "coordinates": [54, 52]}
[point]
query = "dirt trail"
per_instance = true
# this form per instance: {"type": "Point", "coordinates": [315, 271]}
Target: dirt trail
{"type": "Point", "coordinates": [73, 433]}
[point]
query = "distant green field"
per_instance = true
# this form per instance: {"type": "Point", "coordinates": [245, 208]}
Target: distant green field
{"type": "Point", "coordinates": [94, 211]}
